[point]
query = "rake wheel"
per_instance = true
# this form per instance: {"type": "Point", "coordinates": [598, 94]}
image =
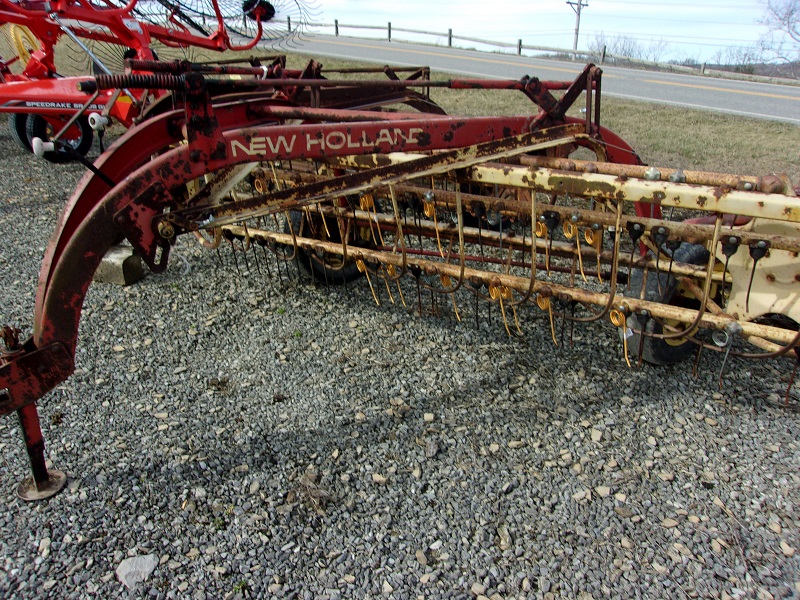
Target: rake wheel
{"type": "Point", "coordinates": [17, 127]}
{"type": "Point", "coordinates": [663, 288]}
{"type": "Point", "coordinates": [324, 267]}
{"type": "Point", "coordinates": [79, 137]}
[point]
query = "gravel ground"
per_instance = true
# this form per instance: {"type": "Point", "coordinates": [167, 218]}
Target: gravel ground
{"type": "Point", "coordinates": [280, 439]}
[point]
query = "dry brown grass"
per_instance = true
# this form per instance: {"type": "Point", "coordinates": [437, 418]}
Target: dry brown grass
{"type": "Point", "coordinates": [662, 135]}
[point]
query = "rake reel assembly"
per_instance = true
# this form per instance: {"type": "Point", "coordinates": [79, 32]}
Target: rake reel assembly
{"type": "Point", "coordinates": [368, 180]}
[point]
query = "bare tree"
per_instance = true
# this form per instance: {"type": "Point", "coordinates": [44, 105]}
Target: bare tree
{"type": "Point", "coordinates": [620, 47]}
{"type": "Point", "coordinates": [656, 50]}
{"type": "Point", "coordinates": [782, 43]}
{"type": "Point", "coordinates": [739, 59]}
{"type": "Point", "coordinates": [598, 44]}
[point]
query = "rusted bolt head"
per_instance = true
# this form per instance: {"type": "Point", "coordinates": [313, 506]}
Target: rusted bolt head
{"type": "Point", "coordinates": [771, 184]}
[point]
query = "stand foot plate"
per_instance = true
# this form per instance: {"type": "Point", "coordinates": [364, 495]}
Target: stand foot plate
{"type": "Point", "coordinates": [28, 491]}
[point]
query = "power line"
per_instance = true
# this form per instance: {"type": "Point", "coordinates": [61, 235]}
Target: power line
{"type": "Point", "coordinates": [668, 38]}
{"type": "Point", "coordinates": [601, 16]}
{"type": "Point", "coordinates": [725, 5]}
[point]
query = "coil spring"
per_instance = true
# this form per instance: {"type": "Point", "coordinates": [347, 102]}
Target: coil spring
{"type": "Point", "coordinates": [158, 66]}
{"type": "Point", "coordinates": [159, 81]}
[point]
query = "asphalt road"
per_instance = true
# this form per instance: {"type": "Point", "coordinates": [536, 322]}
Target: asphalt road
{"type": "Point", "coordinates": [762, 100]}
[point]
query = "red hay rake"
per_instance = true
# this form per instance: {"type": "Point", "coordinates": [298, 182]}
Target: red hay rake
{"type": "Point", "coordinates": [542, 212]}
{"type": "Point", "coordinates": [49, 107]}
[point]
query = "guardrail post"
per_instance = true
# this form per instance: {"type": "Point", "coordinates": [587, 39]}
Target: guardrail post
{"type": "Point", "coordinates": [519, 47]}
{"type": "Point", "coordinates": [389, 31]}
{"type": "Point", "coordinates": [449, 38]}
{"type": "Point", "coordinates": [336, 26]}
{"type": "Point", "coordinates": [603, 56]}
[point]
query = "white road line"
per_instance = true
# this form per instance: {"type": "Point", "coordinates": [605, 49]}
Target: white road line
{"type": "Point", "coordinates": [702, 107]}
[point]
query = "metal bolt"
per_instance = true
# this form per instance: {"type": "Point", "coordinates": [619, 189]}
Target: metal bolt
{"type": "Point", "coordinates": [733, 328]}
{"type": "Point", "coordinates": [677, 176]}
{"type": "Point", "coordinates": [166, 230]}
{"type": "Point", "coordinates": [652, 174]}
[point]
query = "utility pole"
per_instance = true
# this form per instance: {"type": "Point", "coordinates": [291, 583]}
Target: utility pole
{"type": "Point", "coordinates": [577, 6]}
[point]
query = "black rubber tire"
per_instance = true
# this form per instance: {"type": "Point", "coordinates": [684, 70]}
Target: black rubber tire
{"type": "Point", "coordinates": [657, 351]}
{"type": "Point", "coordinates": [318, 266]}
{"type": "Point", "coordinates": [18, 128]}
{"type": "Point", "coordinates": [37, 126]}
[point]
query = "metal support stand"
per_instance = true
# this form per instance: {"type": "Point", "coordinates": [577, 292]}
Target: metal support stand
{"type": "Point", "coordinates": [42, 484]}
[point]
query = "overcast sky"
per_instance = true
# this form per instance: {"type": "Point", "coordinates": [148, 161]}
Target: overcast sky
{"type": "Point", "coordinates": [695, 30]}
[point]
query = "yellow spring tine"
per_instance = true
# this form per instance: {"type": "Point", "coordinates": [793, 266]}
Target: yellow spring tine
{"type": "Point", "coordinates": [571, 231]}
{"type": "Point", "coordinates": [365, 204]}
{"type": "Point", "coordinates": [619, 320]}
{"type": "Point", "coordinates": [541, 231]}
{"type": "Point", "coordinates": [429, 210]}
{"type": "Point", "coordinates": [445, 279]}
{"type": "Point", "coordinates": [363, 269]}
{"type": "Point", "coordinates": [392, 271]}
{"type": "Point", "coordinates": [388, 290]}
{"type": "Point", "coordinates": [275, 177]}
{"type": "Point", "coordinates": [400, 291]}
{"type": "Point", "coordinates": [507, 294]}
{"type": "Point", "coordinates": [324, 221]}
{"type": "Point", "coordinates": [595, 240]}
{"type": "Point", "coordinates": [375, 213]}
{"type": "Point", "coordinates": [544, 303]}
{"type": "Point", "coordinates": [399, 236]}
{"type": "Point", "coordinates": [495, 293]}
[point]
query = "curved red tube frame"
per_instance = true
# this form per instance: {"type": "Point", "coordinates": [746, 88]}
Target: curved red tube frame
{"type": "Point", "coordinates": [92, 220]}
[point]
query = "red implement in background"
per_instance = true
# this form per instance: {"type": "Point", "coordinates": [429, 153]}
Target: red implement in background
{"type": "Point", "coordinates": [41, 103]}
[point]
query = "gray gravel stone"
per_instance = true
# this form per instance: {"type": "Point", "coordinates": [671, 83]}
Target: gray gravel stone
{"type": "Point", "coordinates": [203, 402]}
{"type": "Point", "coordinates": [136, 570]}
